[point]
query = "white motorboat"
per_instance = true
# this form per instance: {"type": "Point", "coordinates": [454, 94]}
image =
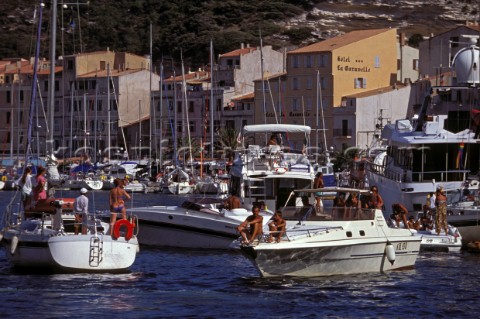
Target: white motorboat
{"type": "Point", "coordinates": [433, 150]}
{"type": "Point", "coordinates": [431, 241]}
{"type": "Point", "coordinates": [466, 219]}
{"type": "Point", "coordinates": [336, 242]}
{"type": "Point", "coordinates": [178, 182]}
{"type": "Point", "coordinates": [46, 240]}
{"type": "Point", "coordinates": [88, 183]}
{"type": "Point", "coordinates": [266, 175]}
{"type": "Point", "coordinates": [136, 187]}
{"type": "Point", "coordinates": [197, 223]}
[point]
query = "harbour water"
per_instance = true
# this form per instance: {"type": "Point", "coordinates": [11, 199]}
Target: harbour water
{"type": "Point", "coordinates": [178, 283]}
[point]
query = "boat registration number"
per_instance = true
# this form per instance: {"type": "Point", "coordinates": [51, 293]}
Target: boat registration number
{"type": "Point", "coordinates": [401, 246]}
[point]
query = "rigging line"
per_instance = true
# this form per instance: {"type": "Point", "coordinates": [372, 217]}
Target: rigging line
{"type": "Point", "coordinates": [273, 102]}
{"type": "Point", "coordinates": [118, 114]}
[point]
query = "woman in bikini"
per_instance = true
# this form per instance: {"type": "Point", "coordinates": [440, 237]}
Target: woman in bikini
{"type": "Point", "coordinates": [117, 202]}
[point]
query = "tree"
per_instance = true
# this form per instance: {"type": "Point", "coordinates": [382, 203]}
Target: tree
{"type": "Point", "coordinates": [226, 141]}
{"type": "Point", "coordinates": [414, 40]}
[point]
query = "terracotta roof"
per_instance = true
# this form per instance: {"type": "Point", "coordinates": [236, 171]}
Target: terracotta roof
{"type": "Point", "coordinates": [238, 52]}
{"type": "Point", "coordinates": [47, 70]}
{"type": "Point", "coordinates": [340, 41]}
{"type": "Point", "coordinates": [190, 77]}
{"type": "Point", "coordinates": [268, 76]}
{"type": "Point", "coordinates": [375, 91]}
{"type": "Point", "coordinates": [247, 96]}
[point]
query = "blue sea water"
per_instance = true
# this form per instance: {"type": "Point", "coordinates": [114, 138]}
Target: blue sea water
{"type": "Point", "coordinates": [179, 283]}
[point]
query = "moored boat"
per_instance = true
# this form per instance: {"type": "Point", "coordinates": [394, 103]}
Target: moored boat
{"type": "Point", "coordinates": [45, 239]}
{"type": "Point", "coordinates": [335, 242]}
{"type": "Point", "coordinates": [196, 223]}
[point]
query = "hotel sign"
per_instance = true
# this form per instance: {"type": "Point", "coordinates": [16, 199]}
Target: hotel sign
{"type": "Point", "coordinates": [348, 67]}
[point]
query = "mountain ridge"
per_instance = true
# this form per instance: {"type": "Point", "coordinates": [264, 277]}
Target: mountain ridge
{"type": "Point", "coordinates": [184, 29]}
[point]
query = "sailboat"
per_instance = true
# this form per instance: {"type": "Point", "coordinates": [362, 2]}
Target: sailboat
{"type": "Point", "coordinates": [45, 237]}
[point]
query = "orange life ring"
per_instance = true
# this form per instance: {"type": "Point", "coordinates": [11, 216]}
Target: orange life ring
{"type": "Point", "coordinates": [118, 225]}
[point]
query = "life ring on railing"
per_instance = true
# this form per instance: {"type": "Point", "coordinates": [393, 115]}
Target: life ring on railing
{"type": "Point", "coordinates": [103, 178]}
{"type": "Point", "coordinates": [4, 178]}
{"type": "Point", "coordinates": [119, 224]}
{"type": "Point", "coordinates": [280, 170]}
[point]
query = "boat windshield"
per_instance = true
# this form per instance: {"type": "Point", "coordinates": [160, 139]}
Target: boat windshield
{"type": "Point", "coordinates": [308, 213]}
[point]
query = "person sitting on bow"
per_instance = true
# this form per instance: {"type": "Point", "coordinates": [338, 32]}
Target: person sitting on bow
{"type": "Point", "coordinates": [277, 227]}
{"type": "Point", "coordinates": [251, 228]}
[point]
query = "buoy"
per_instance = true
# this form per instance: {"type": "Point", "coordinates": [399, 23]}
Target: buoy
{"type": "Point", "coordinates": [14, 245]}
{"type": "Point", "coordinates": [390, 251]}
{"type": "Point", "coordinates": [116, 229]}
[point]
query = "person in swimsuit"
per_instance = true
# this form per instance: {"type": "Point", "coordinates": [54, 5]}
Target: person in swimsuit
{"type": "Point", "coordinates": [441, 213]}
{"type": "Point", "coordinates": [117, 202]}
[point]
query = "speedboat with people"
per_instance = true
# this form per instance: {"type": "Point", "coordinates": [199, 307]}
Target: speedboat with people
{"type": "Point", "coordinates": [48, 238]}
{"type": "Point", "coordinates": [337, 241]}
{"type": "Point", "coordinates": [198, 222]}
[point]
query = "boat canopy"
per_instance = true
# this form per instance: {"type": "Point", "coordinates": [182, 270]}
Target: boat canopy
{"type": "Point", "coordinates": [276, 128]}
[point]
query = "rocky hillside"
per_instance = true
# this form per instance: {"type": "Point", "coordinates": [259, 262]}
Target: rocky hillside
{"type": "Point", "coordinates": [187, 26]}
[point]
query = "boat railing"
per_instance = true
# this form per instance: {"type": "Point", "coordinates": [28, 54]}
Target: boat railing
{"type": "Point", "coordinates": [408, 176]}
{"type": "Point", "coordinates": [296, 233]}
{"type": "Point", "coordinates": [308, 213]}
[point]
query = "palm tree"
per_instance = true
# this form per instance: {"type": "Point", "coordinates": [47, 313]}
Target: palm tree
{"type": "Point", "coordinates": [226, 141]}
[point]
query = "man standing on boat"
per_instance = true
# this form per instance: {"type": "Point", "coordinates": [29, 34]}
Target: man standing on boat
{"type": "Point", "coordinates": [81, 211]}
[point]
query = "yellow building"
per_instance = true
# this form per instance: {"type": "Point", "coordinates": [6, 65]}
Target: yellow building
{"type": "Point", "coordinates": [352, 63]}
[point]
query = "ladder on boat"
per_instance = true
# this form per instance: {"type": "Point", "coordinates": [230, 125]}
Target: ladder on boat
{"type": "Point", "coordinates": [96, 251]}
{"type": "Point", "coordinates": [257, 189]}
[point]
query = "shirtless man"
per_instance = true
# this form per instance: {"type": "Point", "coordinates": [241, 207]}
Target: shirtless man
{"type": "Point", "coordinates": [251, 228]}
{"type": "Point", "coordinates": [232, 202]}
{"type": "Point", "coordinates": [117, 202]}
{"type": "Point", "coordinates": [277, 227]}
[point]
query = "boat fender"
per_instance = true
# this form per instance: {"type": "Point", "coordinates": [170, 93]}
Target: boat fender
{"type": "Point", "coordinates": [1, 236]}
{"type": "Point", "coordinates": [13, 245]}
{"type": "Point", "coordinates": [390, 251]}
{"type": "Point", "coordinates": [123, 223]}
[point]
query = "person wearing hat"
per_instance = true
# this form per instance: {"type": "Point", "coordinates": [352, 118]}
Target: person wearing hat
{"type": "Point", "coordinates": [80, 207]}
{"type": "Point", "coordinates": [441, 213]}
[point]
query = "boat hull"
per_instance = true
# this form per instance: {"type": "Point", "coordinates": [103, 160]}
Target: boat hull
{"type": "Point", "coordinates": [173, 226]}
{"type": "Point", "coordinates": [334, 258]}
{"type": "Point", "coordinates": [88, 253]}
{"type": "Point", "coordinates": [467, 222]}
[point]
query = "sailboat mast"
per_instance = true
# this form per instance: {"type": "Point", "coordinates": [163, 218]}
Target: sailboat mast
{"type": "Point", "coordinates": [175, 124]}
{"type": "Point", "coordinates": [34, 84]}
{"type": "Point", "coordinates": [263, 80]}
{"type": "Point", "coordinates": [51, 88]}
{"type": "Point", "coordinates": [211, 100]}
{"type": "Point", "coordinates": [152, 110]}
{"type": "Point", "coordinates": [109, 111]}
{"type": "Point", "coordinates": [84, 124]}
{"type": "Point", "coordinates": [161, 115]}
